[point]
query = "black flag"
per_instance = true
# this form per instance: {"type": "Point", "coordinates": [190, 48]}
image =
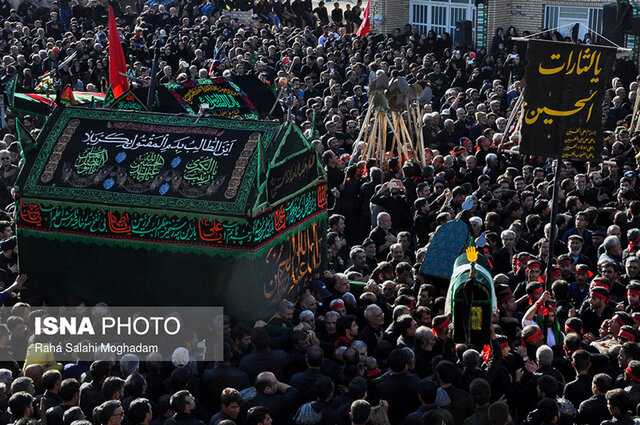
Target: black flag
{"type": "Point", "coordinates": [563, 99]}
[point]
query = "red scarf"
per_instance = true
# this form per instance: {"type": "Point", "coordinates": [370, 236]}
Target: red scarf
{"type": "Point", "coordinates": [343, 340]}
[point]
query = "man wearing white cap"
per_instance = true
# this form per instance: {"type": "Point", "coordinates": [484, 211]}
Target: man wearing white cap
{"type": "Point", "coordinates": [476, 226]}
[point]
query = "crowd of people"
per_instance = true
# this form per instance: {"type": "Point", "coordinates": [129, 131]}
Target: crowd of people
{"type": "Point", "coordinates": [369, 343]}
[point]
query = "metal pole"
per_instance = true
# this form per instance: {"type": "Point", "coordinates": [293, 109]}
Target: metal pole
{"type": "Point", "coordinates": [554, 214]}
{"type": "Point", "coordinates": [56, 76]}
{"type": "Point", "coordinates": [154, 71]}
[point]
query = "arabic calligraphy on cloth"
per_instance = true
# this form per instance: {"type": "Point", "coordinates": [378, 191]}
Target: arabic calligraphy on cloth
{"type": "Point", "coordinates": [563, 99]}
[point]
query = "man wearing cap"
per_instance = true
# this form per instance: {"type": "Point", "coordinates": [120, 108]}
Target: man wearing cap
{"type": "Point", "coordinates": [320, 292]}
{"type": "Point", "coordinates": [575, 244]}
{"type": "Point", "coordinates": [596, 310]}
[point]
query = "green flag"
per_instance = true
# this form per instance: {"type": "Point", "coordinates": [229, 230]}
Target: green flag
{"type": "Point", "coordinates": [262, 170]}
{"type": "Point", "coordinates": [10, 89]}
{"type": "Point", "coordinates": [26, 140]}
{"type": "Point", "coordinates": [313, 125]}
{"type": "Point", "coordinates": [108, 98]}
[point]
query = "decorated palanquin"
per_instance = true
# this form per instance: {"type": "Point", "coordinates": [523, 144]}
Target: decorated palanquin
{"type": "Point", "coordinates": [135, 208]}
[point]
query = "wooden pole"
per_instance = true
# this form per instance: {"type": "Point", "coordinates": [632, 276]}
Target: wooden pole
{"type": "Point", "coordinates": [634, 118]}
{"type": "Point", "coordinates": [511, 118]}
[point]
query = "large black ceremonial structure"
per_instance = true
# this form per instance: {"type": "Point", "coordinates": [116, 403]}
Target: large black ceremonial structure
{"type": "Point", "coordinates": [136, 208]}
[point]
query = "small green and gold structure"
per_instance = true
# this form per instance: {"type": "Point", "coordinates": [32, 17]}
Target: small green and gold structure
{"type": "Point", "coordinates": [471, 299]}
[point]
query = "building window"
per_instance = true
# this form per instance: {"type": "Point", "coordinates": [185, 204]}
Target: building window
{"type": "Point", "coordinates": [440, 16]}
{"type": "Point", "coordinates": [566, 16]}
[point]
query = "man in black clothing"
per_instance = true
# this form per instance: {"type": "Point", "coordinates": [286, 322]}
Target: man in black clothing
{"type": "Point", "coordinates": [69, 394]}
{"type": "Point", "coordinates": [337, 15]}
{"type": "Point", "coordinates": [230, 401]}
{"type": "Point", "coordinates": [595, 310]}
{"type": "Point", "coordinates": [51, 381]}
{"type": "Point", "coordinates": [304, 381]}
{"type": "Point", "coordinates": [91, 392]}
{"type": "Point", "coordinates": [460, 404]}
{"type": "Point", "coordinates": [263, 358]}
{"type": "Point", "coordinates": [222, 375]}
{"type": "Point", "coordinates": [324, 389]}
{"type": "Point", "coordinates": [276, 396]}
{"type": "Point", "coordinates": [594, 410]}
{"type": "Point", "coordinates": [322, 13]}
{"type": "Point", "coordinates": [480, 391]}
{"type": "Point", "coordinates": [183, 403]}
{"type": "Point", "coordinates": [392, 197]}
{"type": "Point", "coordinates": [619, 407]}
{"type": "Point", "coordinates": [580, 388]}
{"type": "Point", "coordinates": [371, 334]}
{"type": "Point", "coordinates": [427, 393]}
{"type": "Point", "coordinates": [383, 236]}
{"type": "Point", "coordinates": [140, 411]}
{"type": "Point", "coordinates": [400, 389]}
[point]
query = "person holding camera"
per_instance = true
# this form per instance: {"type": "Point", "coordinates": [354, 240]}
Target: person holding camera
{"type": "Point", "coordinates": [392, 196]}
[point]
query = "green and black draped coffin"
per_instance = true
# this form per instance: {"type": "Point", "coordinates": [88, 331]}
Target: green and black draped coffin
{"type": "Point", "coordinates": [135, 208]}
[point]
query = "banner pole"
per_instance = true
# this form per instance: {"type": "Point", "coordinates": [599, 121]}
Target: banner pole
{"type": "Point", "coordinates": [151, 94]}
{"type": "Point", "coordinates": [554, 214]}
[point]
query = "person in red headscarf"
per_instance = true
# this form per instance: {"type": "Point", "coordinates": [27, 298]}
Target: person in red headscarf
{"type": "Point", "coordinates": [632, 301]}
{"type": "Point", "coordinates": [543, 313]}
{"type": "Point", "coordinates": [596, 310]}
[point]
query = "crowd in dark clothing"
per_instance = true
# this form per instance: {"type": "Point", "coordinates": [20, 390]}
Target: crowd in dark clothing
{"type": "Point", "coordinates": [370, 342]}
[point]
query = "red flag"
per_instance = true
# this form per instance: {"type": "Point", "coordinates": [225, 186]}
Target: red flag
{"type": "Point", "coordinates": [365, 26]}
{"type": "Point", "coordinates": [67, 98]}
{"type": "Point", "coordinates": [117, 63]}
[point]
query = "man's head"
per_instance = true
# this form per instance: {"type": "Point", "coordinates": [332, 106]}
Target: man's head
{"type": "Point", "coordinates": [598, 298]}
{"type": "Point", "coordinates": [508, 238]}
{"type": "Point", "coordinates": [359, 412]}
{"type": "Point", "coordinates": [230, 401]}
{"type": "Point", "coordinates": [140, 411]}
{"type": "Point", "coordinates": [258, 415]}
{"type": "Point", "coordinates": [531, 334]}
{"type": "Point", "coordinates": [20, 404]}
{"type": "Point", "coordinates": [347, 326]}
{"type": "Point", "coordinates": [110, 413]}
{"type": "Point", "coordinates": [480, 392]}
{"type": "Point", "coordinates": [112, 388]}
{"type": "Point", "coordinates": [374, 316]}
{"type": "Point", "coordinates": [266, 383]}
{"type": "Point", "coordinates": [330, 322]}
{"type": "Point", "coordinates": [548, 410]}
{"type": "Point", "coordinates": [182, 402]}
{"type": "Point", "coordinates": [617, 402]}
{"type": "Point", "coordinates": [384, 220]}
{"type": "Point", "coordinates": [601, 383]}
